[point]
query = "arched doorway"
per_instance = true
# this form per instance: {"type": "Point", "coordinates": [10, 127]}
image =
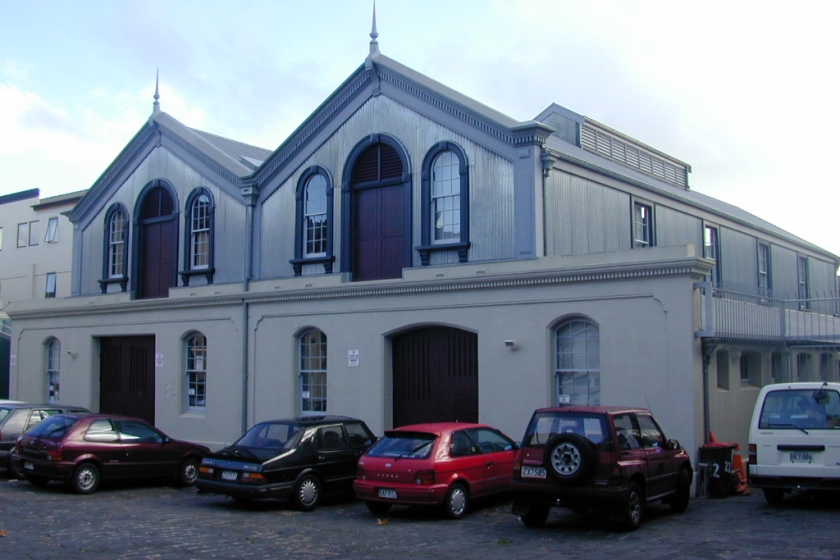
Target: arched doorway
{"type": "Point", "coordinates": [435, 376]}
{"type": "Point", "coordinates": [157, 253]}
{"type": "Point", "coordinates": [379, 219]}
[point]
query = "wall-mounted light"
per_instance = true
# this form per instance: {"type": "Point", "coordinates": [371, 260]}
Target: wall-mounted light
{"type": "Point", "coordinates": [512, 344]}
{"type": "Point", "coordinates": [71, 353]}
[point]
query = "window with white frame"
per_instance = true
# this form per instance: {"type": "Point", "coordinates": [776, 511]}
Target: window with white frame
{"type": "Point", "coordinates": [711, 251]}
{"type": "Point", "coordinates": [49, 291]}
{"type": "Point", "coordinates": [578, 362]}
{"type": "Point", "coordinates": [200, 232]}
{"type": "Point", "coordinates": [117, 234]}
{"type": "Point", "coordinates": [27, 234]}
{"type": "Point", "coordinates": [53, 369]}
{"type": "Point", "coordinates": [446, 198]}
{"type": "Point", "coordinates": [315, 216]}
{"type": "Point", "coordinates": [642, 225]}
{"type": "Point", "coordinates": [196, 371]}
{"type": "Point", "coordinates": [313, 372]}
{"type": "Point", "coordinates": [765, 283]}
{"type": "Point", "coordinates": [52, 231]}
{"type": "Point", "coordinates": [802, 280]}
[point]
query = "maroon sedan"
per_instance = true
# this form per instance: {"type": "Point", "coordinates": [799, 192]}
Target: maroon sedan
{"type": "Point", "coordinates": [446, 464]}
{"type": "Point", "coordinates": [82, 450]}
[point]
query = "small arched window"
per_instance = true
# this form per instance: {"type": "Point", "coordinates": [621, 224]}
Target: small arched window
{"type": "Point", "coordinates": [445, 209]}
{"type": "Point", "coordinates": [578, 362]}
{"type": "Point", "coordinates": [196, 372]}
{"type": "Point", "coordinates": [199, 236]}
{"type": "Point", "coordinates": [115, 261]}
{"type": "Point", "coordinates": [313, 372]}
{"type": "Point", "coordinates": [53, 370]}
{"type": "Point", "coordinates": [314, 217]}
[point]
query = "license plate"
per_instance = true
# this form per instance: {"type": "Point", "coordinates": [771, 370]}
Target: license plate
{"type": "Point", "coordinates": [799, 457]}
{"type": "Point", "coordinates": [387, 493]}
{"type": "Point", "coordinates": [29, 466]}
{"type": "Point", "coordinates": [533, 472]}
{"type": "Point", "coordinates": [228, 475]}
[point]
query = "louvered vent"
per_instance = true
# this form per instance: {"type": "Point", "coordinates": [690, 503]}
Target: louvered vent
{"type": "Point", "coordinates": [156, 204]}
{"type": "Point", "coordinates": [377, 163]}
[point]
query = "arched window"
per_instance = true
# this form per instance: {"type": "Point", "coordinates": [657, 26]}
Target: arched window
{"type": "Point", "coordinates": [199, 236]}
{"type": "Point", "coordinates": [313, 372]}
{"type": "Point", "coordinates": [313, 236]}
{"type": "Point", "coordinates": [578, 362]}
{"type": "Point", "coordinates": [115, 261]}
{"type": "Point", "coordinates": [445, 210]}
{"type": "Point", "coordinates": [53, 369]}
{"type": "Point", "coordinates": [196, 372]}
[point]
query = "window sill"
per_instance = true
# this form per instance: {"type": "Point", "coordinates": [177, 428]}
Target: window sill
{"type": "Point", "coordinates": [199, 414]}
{"type": "Point", "coordinates": [206, 272]}
{"type": "Point", "coordinates": [123, 282]}
{"type": "Point", "coordinates": [326, 260]}
{"type": "Point", "coordinates": [425, 251]}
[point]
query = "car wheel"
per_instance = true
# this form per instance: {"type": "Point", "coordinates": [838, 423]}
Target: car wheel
{"type": "Point", "coordinates": [188, 472]}
{"type": "Point", "coordinates": [679, 501]}
{"type": "Point", "coordinates": [85, 479]}
{"type": "Point", "coordinates": [569, 457]}
{"type": "Point", "coordinates": [536, 516]}
{"type": "Point", "coordinates": [632, 514]}
{"type": "Point", "coordinates": [36, 480]}
{"type": "Point", "coordinates": [456, 502]}
{"type": "Point", "coordinates": [774, 496]}
{"type": "Point", "coordinates": [378, 507]}
{"type": "Point", "coordinates": [307, 493]}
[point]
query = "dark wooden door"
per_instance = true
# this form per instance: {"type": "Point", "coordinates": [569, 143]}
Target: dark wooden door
{"type": "Point", "coordinates": [157, 262]}
{"type": "Point", "coordinates": [435, 376]}
{"type": "Point", "coordinates": [127, 376]}
{"type": "Point", "coordinates": [379, 236]}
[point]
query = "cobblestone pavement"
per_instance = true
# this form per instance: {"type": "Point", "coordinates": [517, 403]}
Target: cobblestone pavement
{"type": "Point", "coordinates": [132, 521]}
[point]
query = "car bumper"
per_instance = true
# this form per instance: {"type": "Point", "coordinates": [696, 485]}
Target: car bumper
{"type": "Point", "coordinates": [407, 494]}
{"type": "Point", "coordinates": [528, 493]}
{"type": "Point", "coordinates": [256, 491]}
{"type": "Point", "coordinates": [794, 482]}
{"type": "Point", "coordinates": [55, 471]}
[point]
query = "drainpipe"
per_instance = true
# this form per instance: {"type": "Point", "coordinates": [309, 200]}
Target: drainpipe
{"type": "Point", "coordinates": [250, 193]}
{"type": "Point", "coordinates": [709, 346]}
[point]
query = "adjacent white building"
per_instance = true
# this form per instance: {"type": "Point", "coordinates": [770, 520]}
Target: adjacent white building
{"type": "Point", "coordinates": [409, 254]}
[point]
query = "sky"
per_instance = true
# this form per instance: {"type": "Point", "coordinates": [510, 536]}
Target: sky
{"type": "Point", "coordinates": [743, 91]}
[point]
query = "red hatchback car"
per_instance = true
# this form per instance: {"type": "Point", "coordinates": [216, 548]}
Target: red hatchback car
{"type": "Point", "coordinates": [446, 464]}
{"type": "Point", "coordinates": [82, 450]}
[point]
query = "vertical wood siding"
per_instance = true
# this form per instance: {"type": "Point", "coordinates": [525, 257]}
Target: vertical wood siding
{"type": "Point", "coordinates": [739, 257]}
{"type": "Point", "coordinates": [677, 228]}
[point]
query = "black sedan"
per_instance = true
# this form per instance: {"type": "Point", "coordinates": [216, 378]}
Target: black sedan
{"type": "Point", "coordinates": [298, 458]}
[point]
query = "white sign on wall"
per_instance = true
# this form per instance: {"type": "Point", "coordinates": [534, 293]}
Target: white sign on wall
{"type": "Point", "coordinates": [13, 360]}
{"type": "Point", "coordinates": [158, 360]}
{"type": "Point", "coordinates": [353, 358]}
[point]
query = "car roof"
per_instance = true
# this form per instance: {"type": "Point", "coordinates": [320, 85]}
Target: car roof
{"type": "Point", "coordinates": [596, 409]}
{"type": "Point", "coordinates": [312, 420]}
{"type": "Point", "coordinates": [438, 428]}
{"type": "Point", "coordinates": [42, 405]}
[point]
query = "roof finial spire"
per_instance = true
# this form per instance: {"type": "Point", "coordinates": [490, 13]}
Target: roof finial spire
{"type": "Point", "coordinates": [156, 105]}
{"type": "Point", "coordinates": [374, 45]}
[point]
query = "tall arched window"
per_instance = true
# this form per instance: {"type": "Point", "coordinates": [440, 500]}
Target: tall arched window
{"type": "Point", "coordinates": [199, 237]}
{"type": "Point", "coordinates": [115, 261]}
{"type": "Point", "coordinates": [53, 369]}
{"type": "Point", "coordinates": [445, 210]}
{"type": "Point", "coordinates": [196, 372]}
{"type": "Point", "coordinates": [578, 362]}
{"type": "Point", "coordinates": [313, 236]}
{"type": "Point", "coordinates": [313, 372]}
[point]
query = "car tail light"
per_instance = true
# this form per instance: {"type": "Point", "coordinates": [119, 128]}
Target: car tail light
{"type": "Point", "coordinates": [360, 472]}
{"type": "Point", "coordinates": [517, 466]}
{"type": "Point", "coordinates": [255, 478]}
{"type": "Point", "coordinates": [54, 455]}
{"type": "Point", "coordinates": [424, 477]}
{"type": "Point", "coordinates": [751, 454]}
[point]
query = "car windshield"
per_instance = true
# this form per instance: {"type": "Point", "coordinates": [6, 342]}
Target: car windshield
{"type": "Point", "coordinates": [270, 435]}
{"type": "Point", "coordinates": [544, 425]}
{"type": "Point", "coordinates": [53, 427]}
{"type": "Point", "coordinates": [795, 409]}
{"type": "Point", "coordinates": [404, 446]}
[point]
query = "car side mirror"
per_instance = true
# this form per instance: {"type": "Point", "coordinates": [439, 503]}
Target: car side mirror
{"type": "Point", "coordinates": [673, 445]}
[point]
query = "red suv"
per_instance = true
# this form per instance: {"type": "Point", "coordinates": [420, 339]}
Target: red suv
{"type": "Point", "coordinates": [609, 457]}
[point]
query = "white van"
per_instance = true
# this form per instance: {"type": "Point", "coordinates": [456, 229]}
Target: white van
{"type": "Point", "coordinates": [795, 439]}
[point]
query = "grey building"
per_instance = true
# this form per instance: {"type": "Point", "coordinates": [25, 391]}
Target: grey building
{"type": "Point", "coordinates": [409, 254]}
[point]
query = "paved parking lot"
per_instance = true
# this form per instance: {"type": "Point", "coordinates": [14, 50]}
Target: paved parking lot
{"type": "Point", "coordinates": [165, 522]}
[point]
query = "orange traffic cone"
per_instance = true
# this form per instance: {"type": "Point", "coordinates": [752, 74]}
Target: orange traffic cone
{"type": "Point", "coordinates": [742, 489]}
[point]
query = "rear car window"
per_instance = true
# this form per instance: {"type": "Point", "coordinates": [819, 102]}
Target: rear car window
{"type": "Point", "coordinates": [544, 425]}
{"type": "Point", "coordinates": [800, 408]}
{"type": "Point", "coordinates": [54, 427]}
{"type": "Point", "coordinates": [270, 435]}
{"type": "Point", "coordinates": [404, 446]}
